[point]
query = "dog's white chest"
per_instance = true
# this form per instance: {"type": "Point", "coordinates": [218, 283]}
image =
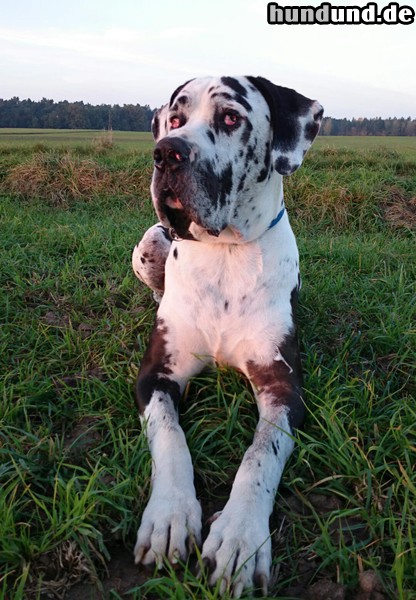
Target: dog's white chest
{"type": "Point", "coordinates": [233, 294]}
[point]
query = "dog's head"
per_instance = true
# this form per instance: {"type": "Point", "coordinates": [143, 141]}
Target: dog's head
{"type": "Point", "coordinates": [222, 146]}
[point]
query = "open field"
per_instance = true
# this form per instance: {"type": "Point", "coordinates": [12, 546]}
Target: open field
{"type": "Point", "coordinates": [74, 465]}
{"type": "Point", "coordinates": [142, 141]}
{"type": "Point", "coordinates": [58, 138]}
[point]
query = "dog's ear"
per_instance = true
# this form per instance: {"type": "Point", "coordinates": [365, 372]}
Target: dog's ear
{"type": "Point", "coordinates": [295, 121]}
{"type": "Point", "coordinates": [160, 122]}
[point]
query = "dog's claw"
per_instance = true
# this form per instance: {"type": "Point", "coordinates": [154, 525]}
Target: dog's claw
{"type": "Point", "coordinates": [238, 590]}
{"type": "Point", "coordinates": [263, 583]}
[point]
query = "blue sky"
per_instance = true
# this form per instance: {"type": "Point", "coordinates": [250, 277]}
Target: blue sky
{"type": "Point", "coordinates": [138, 51]}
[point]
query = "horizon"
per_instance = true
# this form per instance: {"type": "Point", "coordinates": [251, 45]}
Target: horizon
{"type": "Point", "coordinates": [353, 118]}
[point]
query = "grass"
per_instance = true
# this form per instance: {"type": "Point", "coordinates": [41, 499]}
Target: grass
{"type": "Point", "coordinates": [74, 464]}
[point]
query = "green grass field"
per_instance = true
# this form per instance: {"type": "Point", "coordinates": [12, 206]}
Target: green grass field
{"type": "Point", "coordinates": [61, 138]}
{"type": "Point", "coordinates": [142, 141]}
{"type": "Point", "coordinates": [74, 464]}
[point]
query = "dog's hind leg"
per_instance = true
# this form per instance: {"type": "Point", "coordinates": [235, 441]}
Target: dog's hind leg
{"type": "Point", "coordinates": [149, 258]}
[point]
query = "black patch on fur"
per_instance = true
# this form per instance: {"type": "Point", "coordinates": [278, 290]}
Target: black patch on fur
{"type": "Point", "coordinates": [263, 173]}
{"type": "Point", "coordinates": [155, 369]}
{"type": "Point", "coordinates": [175, 253]}
{"type": "Point", "coordinates": [247, 132]}
{"type": "Point", "coordinates": [311, 131]}
{"type": "Point", "coordinates": [156, 126]}
{"type": "Point", "coordinates": [176, 92]}
{"type": "Point", "coordinates": [283, 381]}
{"type": "Point", "coordinates": [211, 136]}
{"type": "Point", "coordinates": [182, 100]}
{"type": "Point", "coordinates": [283, 166]}
{"type": "Point", "coordinates": [208, 181]}
{"type": "Point", "coordinates": [235, 85]}
{"type": "Point", "coordinates": [239, 98]}
{"type": "Point", "coordinates": [241, 183]}
{"type": "Point", "coordinates": [226, 179]}
{"type": "Point", "coordinates": [249, 155]}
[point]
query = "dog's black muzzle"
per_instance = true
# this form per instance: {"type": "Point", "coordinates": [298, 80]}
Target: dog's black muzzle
{"type": "Point", "coordinates": [172, 183]}
{"type": "Point", "coordinates": [171, 153]}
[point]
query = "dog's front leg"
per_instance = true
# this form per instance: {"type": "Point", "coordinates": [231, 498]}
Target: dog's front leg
{"type": "Point", "coordinates": [171, 522]}
{"type": "Point", "coordinates": [238, 548]}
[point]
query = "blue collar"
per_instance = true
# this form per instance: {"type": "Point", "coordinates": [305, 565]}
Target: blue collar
{"type": "Point", "coordinates": [277, 219]}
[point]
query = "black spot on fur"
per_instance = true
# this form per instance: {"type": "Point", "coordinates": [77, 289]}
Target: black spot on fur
{"type": "Point", "coordinates": [263, 173]}
{"type": "Point", "coordinates": [211, 136]}
{"type": "Point", "coordinates": [155, 369]}
{"type": "Point", "coordinates": [283, 166]}
{"type": "Point", "coordinates": [311, 131]}
{"type": "Point", "coordinates": [177, 91]}
{"type": "Point", "coordinates": [156, 126]}
{"type": "Point", "coordinates": [235, 85]}
{"type": "Point", "coordinates": [247, 132]}
{"type": "Point", "coordinates": [282, 379]}
{"type": "Point", "coordinates": [241, 183]}
{"type": "Point", "coordinates": [175, 253]}
{"type": "Point", "coordinates": [239, 98]}
{"type": "Point", "coordinates": [226, 179]}
{"type": "Point", "coordinates": [208, 181]}
{"type": "Point", "coordinates": [183, 100]}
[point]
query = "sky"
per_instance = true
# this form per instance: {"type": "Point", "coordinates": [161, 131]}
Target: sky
{"type": "Point", "coordinates": [139, 51]}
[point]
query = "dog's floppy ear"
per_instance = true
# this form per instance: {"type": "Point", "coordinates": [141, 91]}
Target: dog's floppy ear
{"type": "Point", "coordinates": [295, 121]}
{"type": "Point", "coordinates": [160, 122]}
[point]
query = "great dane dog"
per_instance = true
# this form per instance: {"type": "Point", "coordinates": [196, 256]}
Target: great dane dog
{"type": "Point", "coordinates": [223, 263]}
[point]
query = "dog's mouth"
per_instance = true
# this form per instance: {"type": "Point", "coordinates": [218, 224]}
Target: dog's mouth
{"type": "Point", "coordinates": [175, 213]}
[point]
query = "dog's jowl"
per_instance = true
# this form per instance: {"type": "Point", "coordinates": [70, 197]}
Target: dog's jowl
{"type": "Point", "coordinates": [223, 264]}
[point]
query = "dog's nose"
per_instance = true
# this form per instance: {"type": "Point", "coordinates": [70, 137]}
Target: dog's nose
{"type": "Point", "coordinates": [171, 153]}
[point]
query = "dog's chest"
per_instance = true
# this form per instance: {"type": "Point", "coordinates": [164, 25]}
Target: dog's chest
{"type": "Point", "coordinates": [230, 293]}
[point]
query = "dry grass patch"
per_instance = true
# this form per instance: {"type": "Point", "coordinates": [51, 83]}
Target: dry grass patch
{"type": "Point", "coordinates": [60, 179]}
{"type": "Point", "coordinates": [399, 211]}
{"type": "Point", "coordinates": [58, 571]}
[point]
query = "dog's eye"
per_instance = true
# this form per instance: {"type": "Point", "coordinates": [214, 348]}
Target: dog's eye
{"type": "Point", "coordinates": [231, 119]}
{"type": "Point", "coordinates": [175, 122]}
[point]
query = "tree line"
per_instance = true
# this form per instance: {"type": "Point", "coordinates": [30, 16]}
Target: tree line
{"type": "Point", "coordinates": [74, 115]}
{"type": "Point", "coordinates": [134, 117]}
{"type": "Point", "coordinates": [378, 126]}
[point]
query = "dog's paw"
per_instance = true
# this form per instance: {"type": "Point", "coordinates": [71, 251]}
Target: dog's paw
{"type": "Point", "coordinates": [237, 552]}
{"type": "Point", "coordinates": [170, 529]}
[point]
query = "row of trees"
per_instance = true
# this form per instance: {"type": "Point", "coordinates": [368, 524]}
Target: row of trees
{"type": "Point", "coordinates": [133, 117]}
{"type": "Point", "coordinates": [74, 115]}
{"type": "Point", "coordinates": [379, 126]}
